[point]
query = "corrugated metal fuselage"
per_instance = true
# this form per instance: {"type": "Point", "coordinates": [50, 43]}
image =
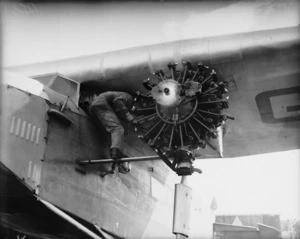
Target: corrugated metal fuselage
{"type": "Point", "coordinates": [42, 151]}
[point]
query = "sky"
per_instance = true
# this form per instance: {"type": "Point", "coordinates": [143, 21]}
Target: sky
{"type": "Point", "coordinates": [34, 32]}
{"type": "Point", "coordinates": [43, 32]}
{"type": "Point", "coordinates": [262, 184]}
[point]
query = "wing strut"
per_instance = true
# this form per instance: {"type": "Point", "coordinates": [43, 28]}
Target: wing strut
{"type": "Point", "coordinates": [182, 209]}
{"type": "Point", "coordinates": [74, 222]}
{"type": "Point", "coordinates": [122, 160]}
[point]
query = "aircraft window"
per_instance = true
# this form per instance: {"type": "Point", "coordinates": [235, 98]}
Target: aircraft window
{"type": "Point", "coordinates": [65, 87]}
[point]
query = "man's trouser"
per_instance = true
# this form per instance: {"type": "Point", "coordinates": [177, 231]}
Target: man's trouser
{"type": "Point", "coordinates": [111, 123]}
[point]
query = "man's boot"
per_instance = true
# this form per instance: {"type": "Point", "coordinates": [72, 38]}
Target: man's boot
{"type": "Point", "coordinates": [124, 167]}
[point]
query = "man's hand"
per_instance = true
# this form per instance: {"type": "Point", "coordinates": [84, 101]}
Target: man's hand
{"type": "Point", "coordinates": [129, 117]}
{"type": "Point", "coordinates": [134, 122]}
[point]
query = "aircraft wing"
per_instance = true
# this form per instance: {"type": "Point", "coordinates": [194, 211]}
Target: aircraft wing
{"type": "Point", "coordinates": [260, 70]}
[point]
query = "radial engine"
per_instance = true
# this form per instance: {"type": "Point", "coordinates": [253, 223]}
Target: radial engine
{"type": "Point", "coordinates": [181, 113]}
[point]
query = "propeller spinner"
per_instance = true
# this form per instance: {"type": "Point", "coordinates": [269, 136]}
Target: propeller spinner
{"type": "Point", "coordinates": [166, 93]}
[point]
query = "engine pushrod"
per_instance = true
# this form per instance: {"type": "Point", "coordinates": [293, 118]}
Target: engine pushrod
{"type": "Point", "coordinates": [130, 159]}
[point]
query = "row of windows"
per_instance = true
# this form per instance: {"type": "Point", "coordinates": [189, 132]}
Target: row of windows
{"type": "Point", "coordinates": [34, 172]}
{"type": "Point", "coordinates": [25, 130]}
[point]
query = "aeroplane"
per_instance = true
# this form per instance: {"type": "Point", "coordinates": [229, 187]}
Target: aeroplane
{"type": "Point", "coordinates": [51, 150]}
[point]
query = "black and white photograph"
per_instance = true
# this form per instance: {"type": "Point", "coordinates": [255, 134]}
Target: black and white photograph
{"type": "Point", "coordinates": [153, 119]}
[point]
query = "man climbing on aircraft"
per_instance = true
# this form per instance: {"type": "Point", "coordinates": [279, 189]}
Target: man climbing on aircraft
{"type": "Point", "coordinates": [108, 107]}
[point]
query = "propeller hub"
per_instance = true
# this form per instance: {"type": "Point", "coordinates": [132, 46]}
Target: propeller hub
{"type": "Point", "coordinates": [167, 93]}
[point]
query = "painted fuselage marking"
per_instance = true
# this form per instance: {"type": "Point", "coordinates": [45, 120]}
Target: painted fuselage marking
{"type": "Point", "coordinates": [280, 105]}
{"type": "Point", "coordinates": [284, 106]}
